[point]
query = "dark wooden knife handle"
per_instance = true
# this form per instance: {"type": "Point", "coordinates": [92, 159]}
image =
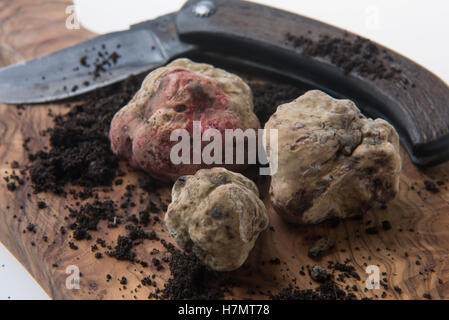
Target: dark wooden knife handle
{"type": "Point", "coordinates": [416, 102]}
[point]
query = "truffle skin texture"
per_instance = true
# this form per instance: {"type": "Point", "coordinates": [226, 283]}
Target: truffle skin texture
{"type": "Point", "coordinates": [172, 97]}
{"type": "Point", "coordinates": [218, 215]}
{"type": "Point", "coordinates": [332, 160]}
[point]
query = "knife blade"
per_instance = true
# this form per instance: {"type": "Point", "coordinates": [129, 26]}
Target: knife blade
{"type": "Point", "coordinates": [92, 64]}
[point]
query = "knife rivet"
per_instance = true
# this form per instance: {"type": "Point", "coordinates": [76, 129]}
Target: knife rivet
{"type": "Point", "coordinates": [204, 8]}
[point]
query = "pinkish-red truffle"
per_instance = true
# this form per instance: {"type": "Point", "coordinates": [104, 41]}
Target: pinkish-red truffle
{"type": "Point", "coordinates": [171, 98]}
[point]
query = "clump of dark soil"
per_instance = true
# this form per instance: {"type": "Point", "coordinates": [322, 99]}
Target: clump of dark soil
{"type": "Point", "coordinates": [14, 181]}
{"type": "Point", "coordinates": [41, 204]}
{"type": "Point", "coordinates": [268, 96]}
{"type": "Point", "coordinates": [351, 55]}
{"type": "Point", "coordinates": [431, 186]}
{"type": "Point", "coordinates": [31, 227]}
{"type": "Point", "coordinates": [79, 144]}
{"type": "Point", "coordinates": [191, 279]}
{"type": "Point", "coordinates": [372, 230]}
{"type": "Point", "coordinates": [125, 243]}
{"type": "Point", "coordinates": [87, 217]}
{"type": "Point", "coordinates": [348, 270]}
{"type": "Point", "coordinates": [386, 225]}
{"type": "Point", "coordinates": [11, 186]}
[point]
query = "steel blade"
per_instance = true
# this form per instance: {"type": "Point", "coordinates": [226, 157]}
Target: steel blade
{"type": "Point", "coordinates": [92, 64]}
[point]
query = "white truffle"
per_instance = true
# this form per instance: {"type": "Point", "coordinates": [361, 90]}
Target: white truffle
{"type": "Point", "coordinates": [218, 215]}
{"type": "Point", "coordinates": [173, 97]}
{"type": "Point", "coordinates": [332, 160]}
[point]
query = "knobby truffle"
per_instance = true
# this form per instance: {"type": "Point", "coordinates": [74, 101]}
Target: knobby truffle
{"type": "Point", "coordinates": [171, 98]}
{"type": "Point", "coordinates": [332, 160]}
{"type": "Point", "coordinates": [218, 215]}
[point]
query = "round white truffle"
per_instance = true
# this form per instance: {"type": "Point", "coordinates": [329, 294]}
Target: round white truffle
{"type": "Point", "coordinates": [332, 160]}
{"type": "Point", "coordinates": [218, 215]}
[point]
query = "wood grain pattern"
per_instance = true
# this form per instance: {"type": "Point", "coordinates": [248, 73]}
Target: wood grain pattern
{"type": "Point", "coordinates": [426, 213]}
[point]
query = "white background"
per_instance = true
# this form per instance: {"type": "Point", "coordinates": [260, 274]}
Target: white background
{"type": "Point", "coordinates": [416, 28]}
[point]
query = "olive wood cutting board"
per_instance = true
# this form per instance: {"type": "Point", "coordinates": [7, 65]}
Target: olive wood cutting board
{"type": "Point", "coordinates": [419, 218]}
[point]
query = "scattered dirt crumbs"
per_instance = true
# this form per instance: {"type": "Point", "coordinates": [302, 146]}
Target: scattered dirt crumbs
{"type": "Point", "coordinates": [80, 148]}
{"type": "Point", "coordinates": [351, 54]}
{"type": "Point", "coordinates": [267, 97]}
{"type": "Point", "coordinates": [191, 279]}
